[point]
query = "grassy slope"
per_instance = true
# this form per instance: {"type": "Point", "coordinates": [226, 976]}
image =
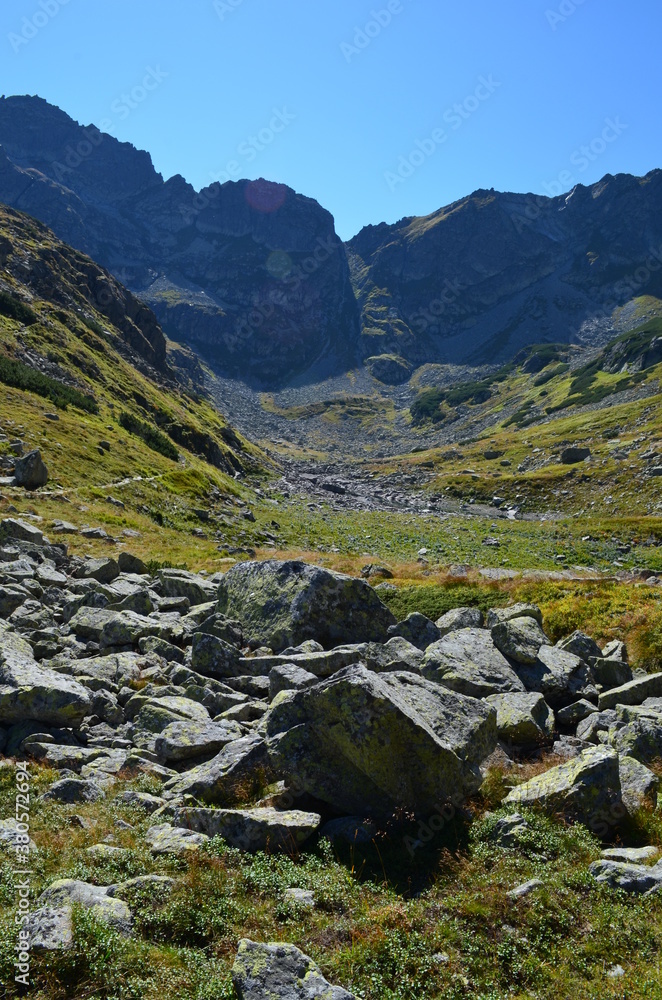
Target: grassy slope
{"type": "Point", "coordinates": [393, 921]}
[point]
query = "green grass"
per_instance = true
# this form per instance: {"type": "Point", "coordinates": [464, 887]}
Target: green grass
{"type": "Point", "coordinates": [413, 915]}
{"type": "Point", "coordinates": [21, 376]}
{"type": "Point", "coordinates": [152, 437]}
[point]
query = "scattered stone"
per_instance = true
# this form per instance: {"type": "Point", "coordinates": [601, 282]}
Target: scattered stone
{"type": "Point", "coordinates": [181, 741]}
{"type": "Point", "coordinates": [570, 456]}
{"type": "Point", "coordinates": [344, 741]}
{"type": "Point", "coordinates": [64, 892]}
{"type": "Point", "coordinates": [129, 563]}
{"type": "Point", "coordinates": [639, 786]}
{"type": "Point", "coordinates": [50, 928]}
{"type": "Point", "coordinates": [496, 616]}
{"type": "Point", "coordinates": [467, 661]}
{"type": "Point", "coordinates": [519, 639]}
{"type": "Point", "coordinates": [71, 790]}
{"type": "Point", "coordinates": [524, 889]}
{"type": "Point", "coordinates": [633, 693]}
{"type": "Point", "coordinates": [459, 618]}
{"type": "Point", "coordinates": [559, 675]}
{"type": "Point", "coordinates": [575, 713]}
{"type": "Point", "coordinates": [586, 790]}
{"type": "Point", "coordinates": [289, 677]}
{"type": "Point", "coordinates": [631, 878]}
{"type": "Point", "coordinates": [167, 839]}
{"type": "Point", "coordinates": [416, 629]}
{"type": "Point", "coordinates": [633, 855]}
{"type": "Point", "coordinates": [522, 717]}
{"type": "Point", "coordinates": [281, 604]}
{"type": "Point", "coordinates": [30, 471]}
{"type": "Point", "coordinates": [280, 972]}
{"type": "Point", "coordinates": [254, 829]}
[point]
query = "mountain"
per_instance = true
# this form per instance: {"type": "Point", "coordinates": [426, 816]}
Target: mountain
{"type": "Point", "coordinates": [74, 340]}
{"type": "Point", "coordinates": [492, 273]}
{"type": "Point", "coordinates": [249, 273]}
{"type": "Point", "coordinates": [253, 276]}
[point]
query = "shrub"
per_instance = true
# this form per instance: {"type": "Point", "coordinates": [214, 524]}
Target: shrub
{"type": "Point", "coordinates": [21, 376]}
{"type": "Point", "coordinates": [152, 437]}
{"type": "Point", "coordinates": [13, 308]}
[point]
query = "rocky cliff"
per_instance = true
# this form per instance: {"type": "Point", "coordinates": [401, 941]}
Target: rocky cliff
{"type": "Point", "coordinates": [250, 273]}
{"type": "Point", "coordinates": [494, 272]}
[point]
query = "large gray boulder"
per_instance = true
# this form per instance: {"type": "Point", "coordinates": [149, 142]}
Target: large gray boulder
{"type": "Point", "coordinates": [633, 693]}
{"type": "Point", "coordinates": [30, 471]}
{"type": "Point", "coordinates": [367, 742]}
{"type": "Point", "coordinates": [519, 638]}
{"type": "Point", "coordinates": [467, 661]}
{"type": "Point", "coordinates": [256, 829]}
{"type": "Point", "coordinates": [282, 604]}
{"type": "Point", "coordinates": [228, 778]}
{"type": "Point", "coordinates": [458, 618]}
{"type": "Point", "coordinates": [416, 629]}
{"type": "Point", "coordinates": [30, 691]}
{"type": "Point", "coordinates": [586, 789]}
{"type": "Point", "coordinates": [632, 878]}
{"type": "Point", "coordinates": [523, 717]}
{"type": "Point", "coordinates": [559, 675]}
{"type": "Point", "coordinates": [187, 739]}
{"type": "Point", "coordinates": [280, 972]}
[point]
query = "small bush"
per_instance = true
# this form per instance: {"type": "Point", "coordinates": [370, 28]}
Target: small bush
{"type": "Point", "coordinates": [152, 437]}
{"type": "Point", "coordinates": [13, 308]}
{"type": "Point", "coordinates": [21, 376]}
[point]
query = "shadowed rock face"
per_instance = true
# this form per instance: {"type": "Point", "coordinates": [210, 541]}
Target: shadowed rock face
{"type": "Point", "coordinates": [254, 277]}
{"type": "Point", "coordinates": [249, 272]}
{"type": "Point", "coordinates": [487, 275]}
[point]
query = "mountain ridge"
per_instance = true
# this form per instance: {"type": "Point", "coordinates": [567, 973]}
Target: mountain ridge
{"type": "Point", "coordinates": [252, 275]}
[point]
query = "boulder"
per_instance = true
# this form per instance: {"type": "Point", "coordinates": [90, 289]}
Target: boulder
{"type": "Point", "coordinates": [128, 563]}
{"type": "Point", "coordinates": [573, 714]}
{"type": "Point", "coordinates": [396, 654]}
{"type": "Point", "coordinates": [639, 737]}
{"type": "Point", "coordinates": [633, 693]}
{"type": "Point", "coordinates": [468, 662]}
{"type": "Point", "coordinates": [280, 972]}
{"type": "Point", "coordinates": [639, 786]}
{"type": "Point", "coordinates": [586, 789]}
{"type": "Point", "coordinates": [580, 644]}
{"type": "Point", "coordinates": [459, 618]}
{"type": "Point", "coordinates": [22, 531]}
{"type": "Point", "coordinates": [570, 456]}
{"type": "Point", "coordinates": [609, 672]}
{"type": "Point", "coordinates": [289, 677]}
{"type": "Point", "coordinates": [30, 471]}
{"type": "Point", "coordinates": [523, 717]}
{"type": "Point", "coordinates": [180, 583]}
{"type": "Point", "coordinates": [184, 740]}
{"type": "Point", "coordinates": [638, 879]}
{"type": "Point", "coordinates": [167, 839]}
{"type": "Point", "coordinates": [30, 691]}
{"type": "Point", "coordinates": [496, 616]}
{"type": "Point", "coordinates": [345, 740]}
{"type": "Point", "coordinates": [284, 603]}
{"type": "Point", "coordinates": [240, 768]}
{"type": "Point", "coordinates": [71, 790]}
{"type": "Point", "coordinates": [416, 629]}
{"type": "Point", "coordinates": [50, 929]}
{"type": "Point", "coordinates": [255, 829]}
{"type": "Point", "coordinates": [214, 657]}
{"type": "Point", "coordinates": [64, 892]}
{"type": "Point", "coordinates": [104, 570]}
{"type": "Point", "coordinates": [519, 639]}
{"type": "Point", "coordinates": [559, 675]}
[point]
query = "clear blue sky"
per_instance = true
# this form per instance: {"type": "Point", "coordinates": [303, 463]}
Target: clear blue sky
{"type": "Point", "coordinates": [351, 106]}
